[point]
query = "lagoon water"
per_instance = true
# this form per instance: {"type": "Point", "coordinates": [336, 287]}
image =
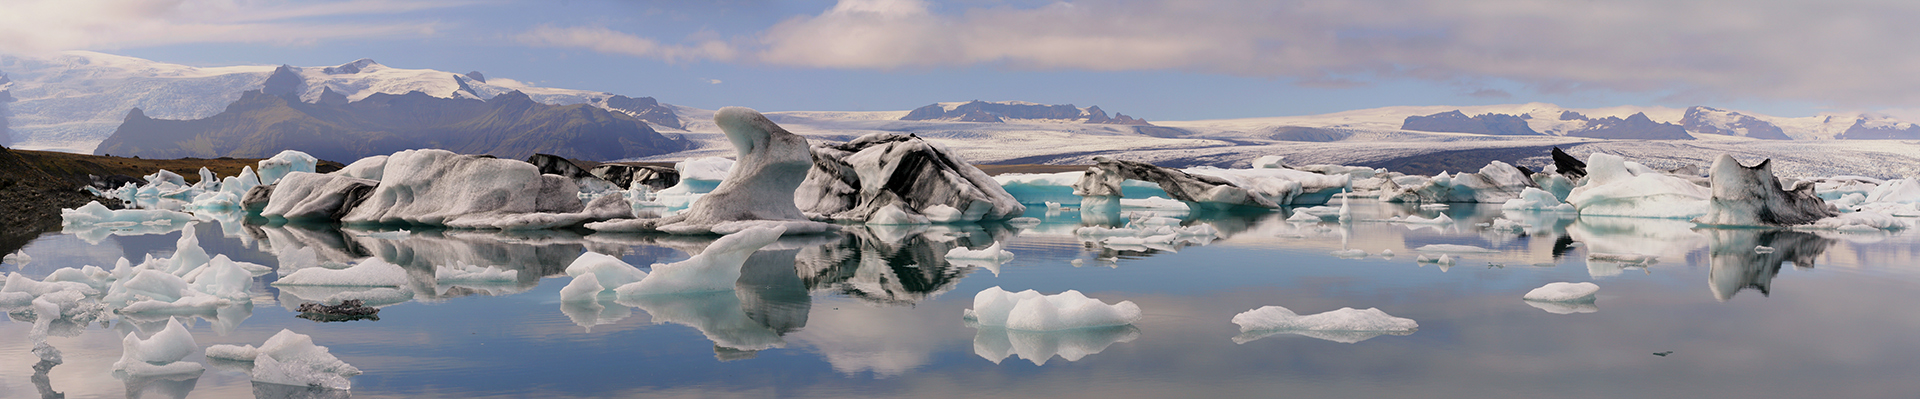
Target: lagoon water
{"type": "Point", "coordinates": [876, 312]}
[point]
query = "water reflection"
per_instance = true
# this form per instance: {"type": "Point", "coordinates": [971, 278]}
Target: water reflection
{"type": "Point", "coordinates": [997, 343]}
{"type": "Point", "coordinates": [893, 265]}
{"type": "Point", "coordinates": [1750, 258]}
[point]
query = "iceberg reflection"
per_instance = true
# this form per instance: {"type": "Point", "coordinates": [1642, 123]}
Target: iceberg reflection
{"type": "Point", "coordinates": [997, 343]}
{"type": "Point", "coordinates": [1739, 265]}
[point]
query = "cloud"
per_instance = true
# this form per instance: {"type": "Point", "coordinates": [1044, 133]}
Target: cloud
{"type": "Point", "coordinates": [39, 26]}
{"type": "Point", "coordinates": [601, 39]}
{"type": "Point", "coordinates": [1844, 52]}
{"type": "Point", "coordinates": [713, 81]}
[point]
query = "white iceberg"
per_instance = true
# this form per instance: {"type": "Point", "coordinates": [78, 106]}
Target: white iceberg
{"type": "Point", "coordinates": [284, 163]}
{"type": "Point", "coordinates": [1534, 199]}
{"type": "Point", "coordinates": [758, 191]}
{"type": "Point", "coordinates": [160, 354]}
{"type": "Point", "coordinates": [609, 271]}
{"type": "Point", "coordinates": [313, 196]}
{"type": "Point", "coordinates": [1563, 292]}
{"type": "Point", "coordinates": [1498, 182]}
{"type": "Point", "coordinates": [439, 187]}
{"type": "Point", "coordinates": [290, 358]}
{"type": "Point", "coordinates": [995, 252]}
{"type": "Point", "coordinates": [1031, 311]}
{"type": "Point", "coordinates": [1613, 188]}
{"type": "Point", "coordinates": [1347, 325]}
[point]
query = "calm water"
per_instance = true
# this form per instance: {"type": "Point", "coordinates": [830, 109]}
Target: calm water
{"type": "Point", "coordinates": [877, 313]}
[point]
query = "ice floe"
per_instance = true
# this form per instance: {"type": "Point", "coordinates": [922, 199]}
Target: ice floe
{"type": "Point", "coordinates": [1563, 292]}
{"type": "Point", "coordinates": [1346, 325]}
{"type": "Point", "coordinates": [290, 358]}
{"type": "Point", "coordinates": [1032, 311]}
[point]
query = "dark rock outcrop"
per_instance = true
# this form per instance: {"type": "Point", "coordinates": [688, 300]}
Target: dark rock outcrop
{"type": "Point", "coordinates": [1457, 122]}
{"type": "Point", "coordinates": [283, 82]}
{"type": "Point", "coordinates": [1103, 179]}
{"type": "Point", "coordinates": [6, 96]}
{"type": "Point", "coordinates": [1702, 120]}
{"type": "Point", "coordinates": [1636, 127]}
{"type": "Point", "coordinates": [1752, 196]}
{"type": "Point", "coordinates": [509, 125]}
{"type": "Point", "coordinates": [853, 181]}
{"type": "Point", "coordinates": [1567, 165]}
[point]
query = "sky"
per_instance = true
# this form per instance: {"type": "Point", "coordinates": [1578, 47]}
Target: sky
{"type": "Point", "coordinates": [1157, 59]}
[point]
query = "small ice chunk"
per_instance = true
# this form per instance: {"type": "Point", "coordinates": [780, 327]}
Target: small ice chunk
{"type": "Point", "coordinates": [585, 287]}
{"type": "Point", "coordinates": [1438, 220]}
{"type": "Point", "coordinates": [1563, 292]}
{"type": "Point", "coordinates": [290, 358]}
{"type": "Point", "coordinates": [372, 272]}
{"type": "Point", "coordinates": [1031, 311]}
{"type": "Point", "coordinates": [289, 161]}
{"type": "Point", "coordinates": [610, 271]}
{"type": "Point", "coordinates": [1357, 325]}
{"type": "Point", "coordinates": [993, 252]}
{"type": "Point", "coordinates": [1534, 199]}
{"type": "Point", "coordinates": [1437, 207]}
{"type": "Point", "coordinates": [1299, 216]}
{"type": "Point", "coordinates": [715, 269]}
{"type": "Point", "coordinates": [1386, 254]}
{"type": "Point", "coordinates": [1452, 248]}
{"type": "Point", "coordinates": [167, 346]}
{"type": "Point", "coordinates": [1349, 254]}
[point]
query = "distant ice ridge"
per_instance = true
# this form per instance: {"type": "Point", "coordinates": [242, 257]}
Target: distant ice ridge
{"type": "Point", "coordinates": [290, 358]}
{"type": "Point", "coordinates": [900, 179]}
{"type": "Point", "coordinates": [757, 192]}
{"type": "Point", "coordinates": [1346, 325]}
{"type": "Point", "coordinates": [1498, 182]}
{"type": "Point", "coordinates": [1031, 311]}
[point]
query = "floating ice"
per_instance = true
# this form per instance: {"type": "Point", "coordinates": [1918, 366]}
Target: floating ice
{"type": "Point", "coordinates": [216, 200]}
{"type": "Point", "coordinates": [1534, 199]}
{"type": "Point", "coordinates": [1031, 311]}
{"type": "Point", "coordinates": [1497, 182]}
{"type": "Point", "coordinates": [370, 168]}
{"type": "Point", "coordinates": [159, 355]}
{"type": "Point", "coordinates": [1896, 191]}
{"type": "Point", "coordinates": [607, 207]}
{"type": "Point", "coordinates": [855, 180]}
{"type": "Point", "coordinates": [1614, 189]}
{"type": "Point", "coordinates": [1281, 185]}
{"type": "Point", "coordinates": [438, 187]}
{"type": "Point", "coordinates": [995, 252]}
{"type": "Point", "coordinates": [94, 214]}
{"type": "Point", "coordinates": [714, 269]}
{"type": "Point", "coordinates": [1349, 253]}
{"type": "Point", "coordinates": [1752, 196]}
{"type": "Point", "coordinates": [1104, 179]}
{"type": "Point", "coordinates": [757, 192]}
{"type": "Point", "coordinates": [1859, 222]}
{"type": "Point", "coordinates": [584, 287]}
{"type": "Point", "coordinates": [284, 163]}
{"type": "Point", "coordinates": [238, 186]}
{"type": "Point", "coordinates": [313, 196]}
{"type": "Point", "coordinates": [1452, 248]}
{"type": "Point", "coordinates": [290, 358]}
{"type": "Point", "coordinates": [1155, 203]}
{"type": "Point", "coordinates": [1443, 219]}
{"type": "Point", "coordinates": [610, 271]}
{"type": "Point", "coordinates": [1346, 325]}
{"type": "Point", "coordinates": [372, 272]}
{"type": "Point", "coordinates": [1563, 292]}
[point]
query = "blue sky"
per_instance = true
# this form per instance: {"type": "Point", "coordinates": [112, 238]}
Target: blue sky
{"type": "Point", "coordinates": [1158, 59]}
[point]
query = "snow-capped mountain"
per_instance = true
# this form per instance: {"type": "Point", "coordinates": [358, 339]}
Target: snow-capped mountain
{"type": "Point", "coordinates": [73, 100]}
{"type": "Point", "coordinates": [1003, 111]}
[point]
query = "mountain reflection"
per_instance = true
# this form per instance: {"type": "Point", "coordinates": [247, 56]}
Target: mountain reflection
{"type": "Point", "coordinates": [1739, 264]}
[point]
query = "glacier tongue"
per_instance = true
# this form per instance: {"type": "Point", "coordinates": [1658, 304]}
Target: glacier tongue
{"type": "Point", "coordinates": [856, 180]}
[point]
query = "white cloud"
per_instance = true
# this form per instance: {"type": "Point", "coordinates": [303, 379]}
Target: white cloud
{"type": "Point", "coordinates": [39, 26]}
{"type": "Point", "coordinates": [1842, 52]}
{"type": "Point", "coordinates": [601, 39]}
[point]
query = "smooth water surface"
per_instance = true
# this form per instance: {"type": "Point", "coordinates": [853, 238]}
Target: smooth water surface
{"type": "Point", "coordinates": [876, 312]}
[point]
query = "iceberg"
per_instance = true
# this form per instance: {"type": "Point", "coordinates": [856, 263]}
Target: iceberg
{"type": "Point", "coordinates": [284, 163]}
{"type": "Point", "coordinates": [1752, 196]}
{"type": "Point", "coordinates": [1614, 188]}
{"type": "Point", "coordinates": [1031, 311]}
{"type": "Point", "coordinates": [1563, 292]}
{"type": "Point", "coordinates": [1282, 186]}
{"type": "Point", "coordinates": [370, 168]}
{"type": "Point", "coordinates": [1105, 177]}
{"type": "Point", "coordinates": [1534, 199]}
{"type": "Point", "coordinates": [313, 196]}
{"type": "Point", "coordinates": [855, 180]}
{"type": "Point", "coordinates": [714, 269]}
{"type": "Point", "coordinates": [995, 252]}
{"type": "Point", "coordinates": [1347, 325]}
{"type": "Point", "coordinates": [290, 358]}
{"type": "Point", "coordinates": [439, 187]}
{"type": "Point", "coordinates": [758, 191]}
{"type": "Point", "coordinates": [1498, 182]}
{"type": "Point", "coordinates": [160, 354]}
{"type": "Point", "coordinates": [608, 270]}
{"type": "Point", "coordinates": [93, 214]}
